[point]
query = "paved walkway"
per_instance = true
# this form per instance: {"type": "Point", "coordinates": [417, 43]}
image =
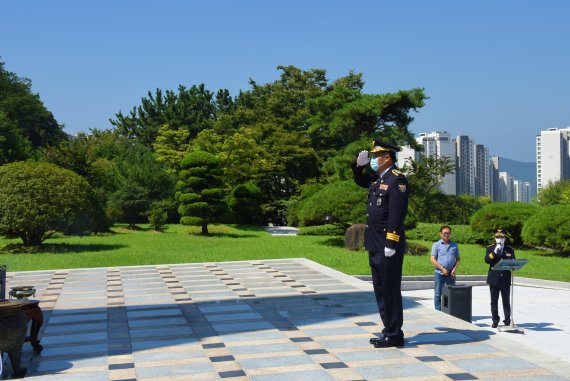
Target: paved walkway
{"type": "Point", "coordinates": [254, 320]}
{"type": "Point", "coordinates": [542, 311]}
{"type": "Point", "coordinates": [281, 230]}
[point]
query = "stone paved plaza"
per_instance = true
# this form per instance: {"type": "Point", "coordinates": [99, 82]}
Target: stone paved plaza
{"type": "Point", "coordinates": [268, 320]}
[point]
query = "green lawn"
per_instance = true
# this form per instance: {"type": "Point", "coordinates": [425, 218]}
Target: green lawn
{"type": "Point", "coordinates": [180, 244]}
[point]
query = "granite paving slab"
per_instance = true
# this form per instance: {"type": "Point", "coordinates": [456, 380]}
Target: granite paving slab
{"type": "Point", "coordinates": [263, 320]}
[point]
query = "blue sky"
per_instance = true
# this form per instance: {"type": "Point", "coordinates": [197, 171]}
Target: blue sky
{"type": "Point", "coordinates": [495, 70]}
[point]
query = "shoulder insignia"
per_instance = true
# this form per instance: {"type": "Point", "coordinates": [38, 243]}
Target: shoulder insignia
{"type": "Point", "coordinates": [402, 187]}
{"type": "Point", "coordinates": [396, 172]}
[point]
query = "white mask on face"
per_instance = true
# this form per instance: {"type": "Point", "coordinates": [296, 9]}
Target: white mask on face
{"type": "Point", "coordinates": [500, 241]}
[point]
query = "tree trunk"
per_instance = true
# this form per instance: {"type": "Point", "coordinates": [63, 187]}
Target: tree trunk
{"type": "Point", "coordinates": [31, 238]}
{"type": "Point", "coordinates": [205, 229]}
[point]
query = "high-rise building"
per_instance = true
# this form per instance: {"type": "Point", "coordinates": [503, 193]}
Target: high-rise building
{"type": "Point", "coordinates": [406, 153]}
{"type": "Point", "coordinates": [506, 185]}
{"type": "Point", "coordinates": [552, 156]}
{"type": "Point", "coordinates": [495, 161]}
{"type": "Point", "coordinates": [440, 144]}
{"type": "Point", "coordinates": [465, 166]}
{"type": "Point", "coordinates": [521, 191]}
{"type": "Point", "coordinates": [483, 184]}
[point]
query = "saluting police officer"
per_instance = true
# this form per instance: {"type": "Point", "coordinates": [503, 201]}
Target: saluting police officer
{"type": "Point", "coordinates": [384, 237]}
{"type": "Point", "coordinates": [499, 281]}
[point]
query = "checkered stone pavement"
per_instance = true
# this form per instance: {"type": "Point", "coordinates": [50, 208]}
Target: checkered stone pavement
{"type": "Point", "coordinates": [268, 320]}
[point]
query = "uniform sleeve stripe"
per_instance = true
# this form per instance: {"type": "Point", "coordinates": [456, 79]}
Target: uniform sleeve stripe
{"type": "Point", "coordinates": [393, 237]}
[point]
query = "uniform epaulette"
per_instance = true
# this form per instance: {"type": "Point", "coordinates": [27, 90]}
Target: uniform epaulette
{"type": "Point", "coordinates": [397, 173]}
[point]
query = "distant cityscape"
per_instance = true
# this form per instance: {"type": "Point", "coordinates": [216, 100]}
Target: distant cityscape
{"type": "Point", "coordinates": [501, 179]}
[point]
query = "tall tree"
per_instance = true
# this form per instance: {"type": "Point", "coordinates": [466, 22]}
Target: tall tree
{"type": "Point", "coordinates": [171, 146]}
{"type": "Point", "coordinates": [26, 111]}
{"type": "Point", "coordinates": [297, 122]}
{"type": "Point", "coordinates": [14, 146]}
{"type": "Point", "coordinates": [555, 193]}
{"type": "Point", "coordinates": [424, 176]}
{"type": "Point", "coordinates": [192, 109]}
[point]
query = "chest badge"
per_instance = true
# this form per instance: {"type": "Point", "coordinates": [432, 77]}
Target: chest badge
{"type": "Point", "coordinates": [378, 201]}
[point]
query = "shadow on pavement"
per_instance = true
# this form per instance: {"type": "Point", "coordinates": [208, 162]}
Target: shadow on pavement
{"type": "Point", "coordinates": [89, 334]}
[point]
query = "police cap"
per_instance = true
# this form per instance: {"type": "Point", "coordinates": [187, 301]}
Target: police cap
{"type": "Point", "coordinates": [378, 146]}
{"type": "Point", "coordinates": [500, 233]}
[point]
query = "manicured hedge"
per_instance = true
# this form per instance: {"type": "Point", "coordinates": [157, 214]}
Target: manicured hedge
{"type": "Point", "coordinates": [326, 230]}
{"type": "Point", "coordinates": [459, 233]}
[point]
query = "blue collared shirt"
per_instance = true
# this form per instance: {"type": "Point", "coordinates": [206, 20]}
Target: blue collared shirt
{"type": "Point", "coordinates": [386, 170]}
{"type": "Point", "coordinates": [446, 255]}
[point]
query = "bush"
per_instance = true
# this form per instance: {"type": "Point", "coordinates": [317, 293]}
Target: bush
{"type": "Point", "coordinates": [459, 234]}
{"type": "Point", "coordinates": [39, 199]}
{"type": "Point", "coordinates": [157, 218]}
{"type": "Point", "coordinates": [343, 200]}
{"type": "Point", "coordinates": [509, 216]}
{"type": "Point", "coordinates": [245, 203]}
{"type": "Point", "coordinates": [324, 230]}
{"type": "Point", "coordinates": [550, 227]}
{"type": "Point", "coordinates": [416, 249]}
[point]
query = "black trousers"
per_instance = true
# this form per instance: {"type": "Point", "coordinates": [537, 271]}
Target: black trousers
{"type": "Point", "coordinates": [505, 292]}
{"type": "Point", "coordinates": [387, 280]}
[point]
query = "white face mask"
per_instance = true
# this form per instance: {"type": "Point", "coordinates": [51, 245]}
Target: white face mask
{"type": "Point", "coordinates": [500, 241]}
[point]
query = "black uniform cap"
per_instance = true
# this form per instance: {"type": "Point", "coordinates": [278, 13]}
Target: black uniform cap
{"type": "Point", "coordinates": [500, 233]}
{"type": "Point", "coordinates": [378, 146]}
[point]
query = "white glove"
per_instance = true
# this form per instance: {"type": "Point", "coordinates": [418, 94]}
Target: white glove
{"type": "Point", "coordinates": [497, 248]}
{"type": "Point", "coordinates": [362, 159]}
{"type": "Point", "coordinates": [389, 252]}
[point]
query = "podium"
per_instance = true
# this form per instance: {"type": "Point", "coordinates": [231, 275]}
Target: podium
{"type": "Point", "coordinates": [511, 265]}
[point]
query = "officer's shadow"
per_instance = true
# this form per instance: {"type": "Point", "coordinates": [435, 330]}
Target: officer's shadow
{"type": "Point", "coordinates": [539, 327]}
{"type": "Point", "coordinates": [448, 336]}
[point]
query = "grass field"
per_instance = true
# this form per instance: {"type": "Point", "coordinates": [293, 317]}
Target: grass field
{"type": "Point", "coordinates": [180, 244]}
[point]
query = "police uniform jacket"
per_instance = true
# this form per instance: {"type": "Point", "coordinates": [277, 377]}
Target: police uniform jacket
{"type": "Point", "coordinates": [498, 278]}
{"type": "Point", "coordinates": [387, 207]}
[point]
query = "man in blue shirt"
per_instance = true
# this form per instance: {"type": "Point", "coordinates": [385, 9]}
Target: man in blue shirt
{"type": "Point", "coordinates": [445, 258]}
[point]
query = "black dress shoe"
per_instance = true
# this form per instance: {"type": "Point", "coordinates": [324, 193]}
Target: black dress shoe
{"type": "Point", "coordinates": [385, 342]}
{"type": "Point", "coordinates": [375, 340]}
{"type": "Point", "coordinates": [495, 324]}
{"type": "Point", "coordinates": [507, 322]}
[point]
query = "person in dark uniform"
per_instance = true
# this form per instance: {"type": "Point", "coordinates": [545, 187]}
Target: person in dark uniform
{"type": "Point", "coordinates": [499, 281]}
{"type": "Point", "coordinates": [384, 237]}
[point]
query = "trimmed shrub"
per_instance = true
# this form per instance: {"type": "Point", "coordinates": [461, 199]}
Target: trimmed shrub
{"type": "Point", "coordinates": [344, 201]}
{"type": "Point", "coordinates": [550, 227]}
{"type": "Point", "coordinates": [459, 233]}
{"type": "Point", "coordinates": [509, 216]}
{"type": "Point", "coordinates": [39, 199]}
{"type": "Point", "coordinates": [200, 192]}
{"type": "Point", "coordinates": [324, 230]}
{"type": "Point", "coordinates": [416, 249]}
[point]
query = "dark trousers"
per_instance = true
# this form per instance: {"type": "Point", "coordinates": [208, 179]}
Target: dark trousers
{"type": "Point", "coordinates": [505, 292]}
{"type": "Point", "coordinates": [387, 279]}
